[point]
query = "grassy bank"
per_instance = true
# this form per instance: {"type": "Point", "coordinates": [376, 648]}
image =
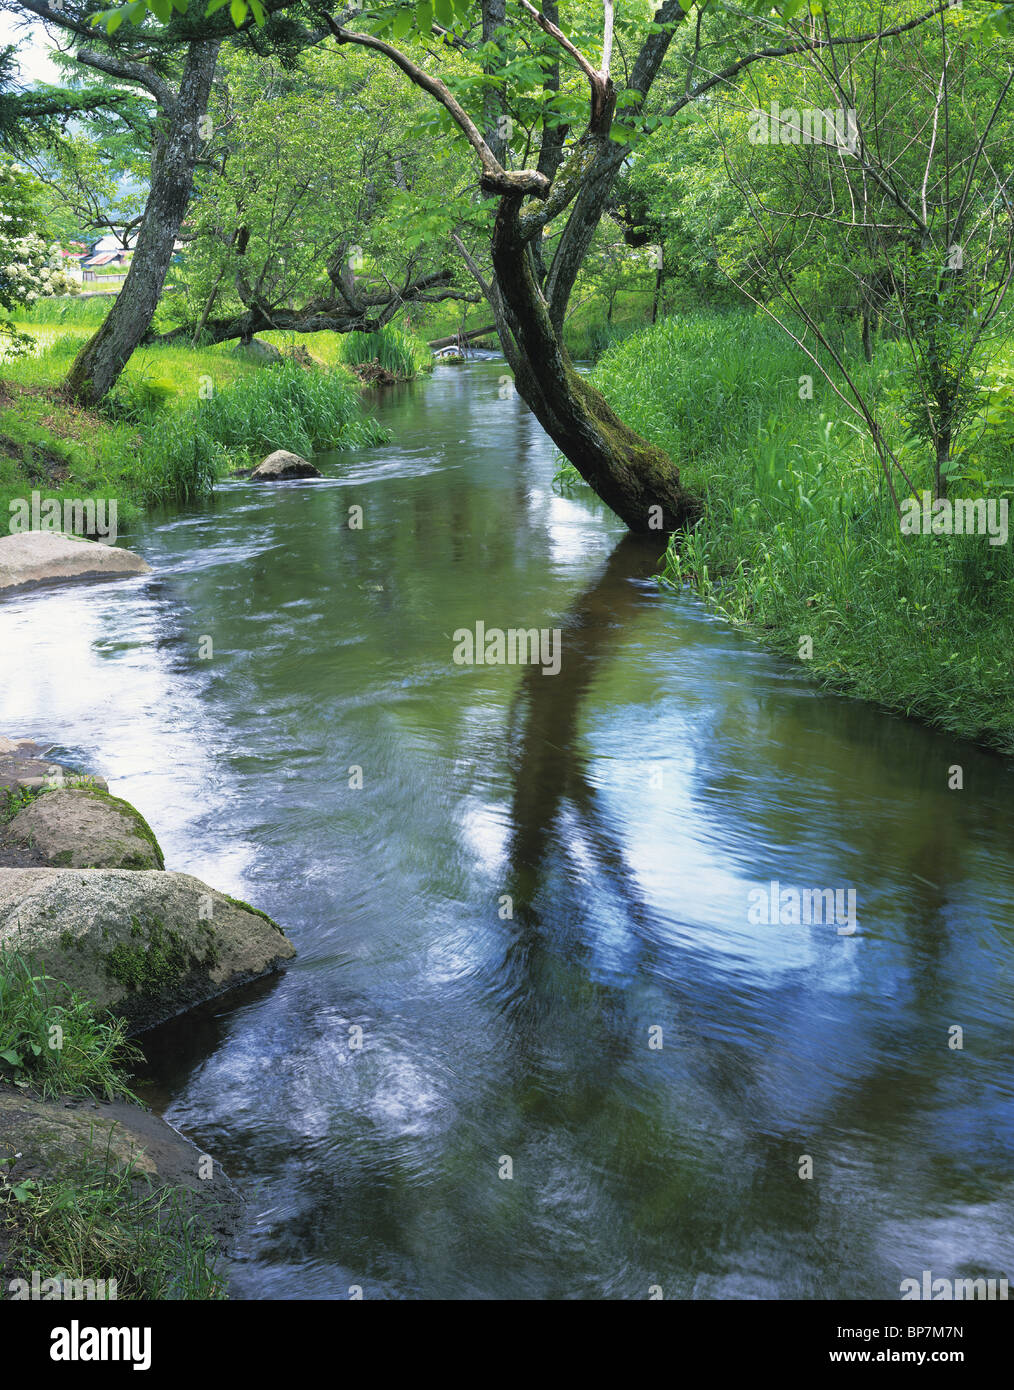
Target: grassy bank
{"type": "Point", "coordinates": [179, 417]}
{"type": "Point", "coordinates": [88, 1216]}
{"type": "Point", "coordinates": [799, 537]}
{"type": "Point", "coordinates": [100, 1223]}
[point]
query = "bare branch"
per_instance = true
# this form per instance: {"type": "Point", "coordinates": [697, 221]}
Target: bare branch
{"type": "Point", "coordinates": [495, 178]}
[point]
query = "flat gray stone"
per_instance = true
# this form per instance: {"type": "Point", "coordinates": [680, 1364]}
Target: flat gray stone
{"type": "Point", "coordinates": [51, 557]}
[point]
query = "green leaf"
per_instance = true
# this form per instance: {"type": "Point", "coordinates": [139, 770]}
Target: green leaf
{"type": "Point", "coordinates": [259, 13]}
{"type": "Point", "coordinates": [113, 20]}
{"type": "Point", "coordinates": [12, 1057]}
{"type": "Point", "coordinates": [213, 6]}
{"type": "Point", "coordinates": [162, 9]}
{"type": "Point", "coordinates": [238, 10]}
{"type": "Point", "coordinates": [444, 11]}
{"type": "Point", "coordinates": [424, 16]}
{"type": "Point", "coordinates": [403, 22]}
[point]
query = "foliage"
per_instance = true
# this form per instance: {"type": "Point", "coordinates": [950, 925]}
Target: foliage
{"type": "Point", "coordinates": [29, 269]}
{"type": "Point", "coordinates": [799, 536]}
{"type": "Point", "coordinates": [56, 1041]}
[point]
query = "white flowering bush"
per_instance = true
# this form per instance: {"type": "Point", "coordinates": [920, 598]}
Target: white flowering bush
{"type": "Point", "coordinates": [30, 268]}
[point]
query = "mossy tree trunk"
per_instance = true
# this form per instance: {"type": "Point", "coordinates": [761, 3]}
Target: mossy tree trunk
{"type": "Point", "coordinates": [637, 480]}
{"type": "Point", "coordinates": [632, 476]}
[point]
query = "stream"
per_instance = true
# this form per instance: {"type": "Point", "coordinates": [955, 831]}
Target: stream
{"type": "Point", "coordinates": [533, 1045]}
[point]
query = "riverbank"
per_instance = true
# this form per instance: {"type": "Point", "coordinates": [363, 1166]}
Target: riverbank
{"type": "Point", "coordinates": [99, 942]}
{"type": "Point", "coordinates": [182, 417]}
{"type": "Point", "coordinates": [98, 1196]}
{"type": "Point", "coordinates": [799, 544]}
{"type": "Point", "coordinates": [335, 766]}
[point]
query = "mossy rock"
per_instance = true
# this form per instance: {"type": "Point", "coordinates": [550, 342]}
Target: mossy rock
{"type": "Point", "coordinates": [85, 828]}
{"type": "Point", "coordinates": [145, 943]}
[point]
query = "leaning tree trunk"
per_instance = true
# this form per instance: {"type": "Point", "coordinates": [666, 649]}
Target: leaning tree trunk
{"type": "Point", "coordinates": [637, 480]}
{"type": "Point", "coordinates": [633, 477]}
{"type": "Point", "coordinates": [99, 363]}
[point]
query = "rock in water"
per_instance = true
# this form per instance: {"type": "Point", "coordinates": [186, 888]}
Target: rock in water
{"type": "Point", "coordinates": [282, 464]}
{"type": "Point", "coordinates": [145, 943]}
{"type": "Point", "coordinates": [51, 557]}
{"type": "Point", "coordinates": [84, 828]}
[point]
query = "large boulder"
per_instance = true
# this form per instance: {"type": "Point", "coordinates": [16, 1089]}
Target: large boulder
{"type": "Point", "coordinates": [84, 828]}
{"type": "Point", "coordinates": [144, 943]}
{"type": "Point", "coordinates": [51, 557]}
{"type": "Point", "coordinates": [257, 350]}
{"type": "Point", "coordinates": [282, 464]}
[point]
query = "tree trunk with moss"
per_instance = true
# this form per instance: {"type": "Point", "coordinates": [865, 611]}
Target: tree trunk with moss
{"type": "Point", "coordinates": [632, 476]}
{"type": "Point", "coordinates": [635, 478]}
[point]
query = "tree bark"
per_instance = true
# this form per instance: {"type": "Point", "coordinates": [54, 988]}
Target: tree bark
{"type": "Point", "coordinates": [867, 318]}
{"type": "Point", "coordinates": [486, 332]}
{"type": "Point", "coordinates": [367, 313]}
{"type": "Point", "coordinates": [637, 480]}
{"type": "Point", "coordinates": [98, 365]}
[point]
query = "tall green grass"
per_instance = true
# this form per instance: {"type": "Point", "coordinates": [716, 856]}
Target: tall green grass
{"type": "Point", "coordinates": [102, 1221]}
{"type": "Point", "coordinates": [401, 354]}
{"type": "Point", "coordinates": [799, 537]}
{"type": "Point", "coordinates": [587, 336]}
{"type": "Point", "coordinates": [72, 310]}
{"type": "Point", "coordinates": [95, 1219]}
{"type": "Point", "coordinates": [279, 407]}
{"type": "Point", "coordinates": [56, 1041]}
{"type": "Point", "coordinates": [178, 418]}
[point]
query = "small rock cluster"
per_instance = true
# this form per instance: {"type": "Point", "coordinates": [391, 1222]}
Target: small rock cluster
{"type": "Point", "coordinates": [84, 890]}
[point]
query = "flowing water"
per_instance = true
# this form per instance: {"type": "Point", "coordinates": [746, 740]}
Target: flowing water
{"type": "Point", "coordinates": [653, 1064]}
